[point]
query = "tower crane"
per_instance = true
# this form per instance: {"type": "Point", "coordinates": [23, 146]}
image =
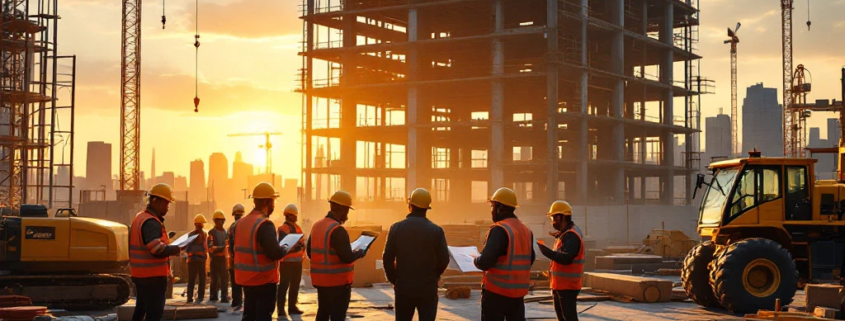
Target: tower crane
{"type": "Point", "coordinates": [733, 41]}
{"type": "Point", "coordinates": [268, 165]}
{"type": "Point", "coordinates": [791, 120]}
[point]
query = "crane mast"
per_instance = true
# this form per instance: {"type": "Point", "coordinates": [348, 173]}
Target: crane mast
{"type": "Point", "coordinates": [790, 149]}
{"type": "Point", "coordinates": [130, 104]}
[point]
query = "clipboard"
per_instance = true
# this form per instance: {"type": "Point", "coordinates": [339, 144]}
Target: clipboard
{"type": "Point", "coordinates": [462, 258]}
{"type": "Point", "coordinates": [184, 240]}
{"type": "Point", "coordinates": [291, 240]}
{"type": "Point", "coordinates": [364, 241]}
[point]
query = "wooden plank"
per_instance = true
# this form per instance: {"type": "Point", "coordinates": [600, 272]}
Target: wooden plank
{"type": "Point", "coordinates": [639, 288]}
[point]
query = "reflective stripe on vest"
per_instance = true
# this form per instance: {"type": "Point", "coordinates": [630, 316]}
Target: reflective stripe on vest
{"type": "Point", "coordinates": [252, 266]}
{"type": "Point", "coordinates": [568, 276]}
{"type": "Point", "coordinates": [198, 249]}
{"type": "Point", "coordinates": [511, 275]}
{"type": "Point", "coordinates": [326, 268]}
{"type": "Point", "coordinates": [292, 257]}
{"type": "Point", "coordinates": [142, 262]}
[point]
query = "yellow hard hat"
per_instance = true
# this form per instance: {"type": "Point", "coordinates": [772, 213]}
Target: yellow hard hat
{"type": "Point", "coordinates": [342, 198]}
{"type": "Point", "coordinates": [505, 196]}
{"type": "Point", "coordinates": [264, 191]}
{"type": "Point", "coordinates": [238, 208]}
{"type": "Point", "coordinates": [291, 209]}
{"type": "Point", "coordinates": [218, 215]}
{"type": "Point", "coordinates": [163, 191]}
{"type": "Point", "coordinates": [421, 198]}
{"type": "Point", "coordinates": [200, 219]}
{"type": "Point", "coordinates": [560, 207]}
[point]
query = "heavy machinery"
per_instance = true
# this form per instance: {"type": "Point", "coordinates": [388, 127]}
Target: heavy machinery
{"type": "Point", "coordinates": [64, 261]}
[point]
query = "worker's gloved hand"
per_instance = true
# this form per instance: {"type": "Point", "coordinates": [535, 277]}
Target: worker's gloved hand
{"type": "Point", "coordinates": [545, 249]}
{"type": "Point", "coordinates": [358, 254]}
{"type": "Point", "coordinates": [285, 248]}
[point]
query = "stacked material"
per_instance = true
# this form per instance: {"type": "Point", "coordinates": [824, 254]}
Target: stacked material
{"type": "Point", "coordinates": [823, 295]}
{"type": "Point", "coordinates": [782, 316]}
{"type": "Point", "coordinates": [463, 235]}
{"type": "Point", "coordinates": [24, 313]}
{"type": "Point", "coordinates": [636, 263]}
{"type": "Point", "coordinates": [637, 288]}
{"type": "Point", "coordinates": [7, 301]}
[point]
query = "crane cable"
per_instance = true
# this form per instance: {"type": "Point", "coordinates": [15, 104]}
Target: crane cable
{"type": "Point", "coordinates": [163, 18]}
{"type": "Point", "coordinates": [808, 15]}
{"type": "Point", "coordinates": [196, 58]}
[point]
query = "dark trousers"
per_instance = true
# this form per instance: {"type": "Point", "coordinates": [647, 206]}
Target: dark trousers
{"type": "Point", "coordinates": [219, 278]}
{"type": "Point", "coordinates": [425, 305]}
{"type": "Point", "coordinates": [258, 302]}
{"type": "Point", "coordinates": [566, 304]}
{"type": "Point", "coordinates": [149, 302]}
{"type": "Point", "coordinates": [237, 291]}
{"type": "Point", "coordinates": [196, 269]}
{"type": "Point", "coordinates": [290, 274]}
{"type": "Point", "coordinates": [332, 302]}
{"type": "Point", "coordinates": [496, 307]}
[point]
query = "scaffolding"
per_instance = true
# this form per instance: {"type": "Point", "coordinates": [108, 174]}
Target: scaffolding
{"type": "Point", "coordinates": [36, 108]}
{"type": "Point", "coordinates": [555, 98]}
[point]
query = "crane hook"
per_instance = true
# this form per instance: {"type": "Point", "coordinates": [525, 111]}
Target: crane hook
{"type": "Point", "coordinates": [196, 104]}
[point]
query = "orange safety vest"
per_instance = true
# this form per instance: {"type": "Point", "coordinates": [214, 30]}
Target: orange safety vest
{"type": "Point", "coordinates": [198, 249]}
{"type": "Point", "coordinates": [568, 276]}
{"type": "Point", "coordinates": [142, 262]}
{"type": "Point", "coordinates": [326, 268]}
{"type": "Point", "coordinates": [252, 266]}
{"type": "Point", "coordinates": [511, 275]}
{"type": "Point", "coordinates": [217, 238]}
{"type": "Point", "coordinates": [230, 233]}
{"type": "Point", "coordinates": [292, 257]}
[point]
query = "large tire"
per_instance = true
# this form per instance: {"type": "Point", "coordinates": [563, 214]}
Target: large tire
{"type": "Point", "coordinates": [695, 275]}
{"type": "Point", "coordinates": [751, 274]}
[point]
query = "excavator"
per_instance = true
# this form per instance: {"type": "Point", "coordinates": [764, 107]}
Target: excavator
{"type": "Point", "coordinates": [768, 227]}
{"type": "Point", "coordinates": [64, 261]}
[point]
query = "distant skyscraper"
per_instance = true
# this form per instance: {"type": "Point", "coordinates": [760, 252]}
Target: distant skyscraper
{"type": "Point", "coordinates": [218, 174]}
{"type": "Point", "coordinates": [180, 184]}
{"type": "Point", "coordinates": [826, 166]}
{"type": "Point", "coordinates": [98, 168]}
{"type": "Point", "coordinates": [240, 172]}
{"type": "Point", "coordinates": [197, 191]}
{"type": "Point", "coordinates": [833, 136]}
{"type": "Point", "coordinates": [167, 178]}
{"type": "Point", "coordinates": [717, 133]}
{"type": "Point", "coordinates": [762, 121]}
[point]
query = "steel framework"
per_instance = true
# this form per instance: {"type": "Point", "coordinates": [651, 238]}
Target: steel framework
{"type": "Point", "coordinates": [130, 104]}
{"type": "Point", "coordinates": [790, 149]}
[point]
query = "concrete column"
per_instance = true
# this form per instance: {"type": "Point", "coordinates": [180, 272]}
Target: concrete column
{"type": "Point", "coordinates": [348, 111]}
{"type": "Point", "coordinates": [497, 105]}
{"type": "Point", "coordinates": [581, 173]}
{"type": "Point", "coordinates": [617, 102]}
{"type": "Point", "coordinates": [412, 151]}
{"type": "Point", "coordinates": [552, 98]}
{"type": "Point", "coordinates": [668, 139]}
{"type": "Point", "coordinates": [305, 199]}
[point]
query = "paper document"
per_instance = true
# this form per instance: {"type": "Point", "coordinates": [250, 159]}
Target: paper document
{"type": "Point", "coordinates": [462, 257]}
{"type": "Point", "coordinates": [184, 240]}
{"type": "Point", "coordinates": [291, 240]}
{"type": "Point", "coordinates": [538, 255]}
{"type": "Point", "coordinates": [363, 243]}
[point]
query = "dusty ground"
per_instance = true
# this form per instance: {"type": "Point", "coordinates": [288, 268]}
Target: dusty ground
{"type": "Point", "coordinates": [370, 304]}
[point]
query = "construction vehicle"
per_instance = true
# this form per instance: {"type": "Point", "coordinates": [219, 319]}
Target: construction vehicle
{"type": "Point", "coordinates": [65, 261]}
{"type": "Point", "coordinates": [768, 226]}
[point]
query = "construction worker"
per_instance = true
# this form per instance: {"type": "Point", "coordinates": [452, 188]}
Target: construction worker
{"type": "Point", "coordinates": [290, 268]}
{"type": "Point", "coordinates": [257, 255]}
{"type": "Point", "coordinates": [418, 247]}
{"type": "Point", "coordinates": [149, 255]}
{"type": "Point", "coordinates": [332, 260]}
{"type": "Point", "coordinates": [567, 261]}
{"type": "Point", "coordinates": [506, 261]}
{"type": "Point", "coordinates": [217, 251]}
{"type": "Point", "coordinates": [237, 291]}
{"type": "Point", "coordinates": [197, 252]}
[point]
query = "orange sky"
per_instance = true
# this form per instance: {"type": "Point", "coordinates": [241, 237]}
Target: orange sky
{"type": "Point", "coordinates": [248, 66]}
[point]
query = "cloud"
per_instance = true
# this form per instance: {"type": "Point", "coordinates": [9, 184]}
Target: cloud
{"type": "Point", "coordinates": [244, 18]}
{"type": "Point", "coordinates": [99, 89]}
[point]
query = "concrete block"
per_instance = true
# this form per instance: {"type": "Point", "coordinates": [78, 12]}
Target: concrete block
{"type": "Point", "coordinates": [828, 313]}
{"type": "Point", "coordinates": [824, 295]}
{"type": "Point", "coordinates": [639, 288]}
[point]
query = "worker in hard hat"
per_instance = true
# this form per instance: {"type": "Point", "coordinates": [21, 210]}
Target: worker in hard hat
{"type": "Point", "coordinates": [257, 256]}
{"type": "Point", "coordinates": [217, 251]}
{"type": "Point", "coordinates": [197, 252]}
{"type": "Point", "coordinates": [290, 268]}
{"type": "Point", "coordinates": [506, 261]}
{"type": "Point", "coordinates": [149, 253]}
{"type": "Point", "coordinates": [332, 259]}
{"type": "Point", "coordinates": [418, 246]}
{"type": "Point", "coordinates": [237, 291]}
{"type": "Point", "coordinates": [567, 258]}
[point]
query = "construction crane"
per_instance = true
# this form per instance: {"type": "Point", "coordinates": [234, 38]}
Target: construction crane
{"type": "Point", "coordinates": [267, 146]}
{"type": "Point", "coordinates": [130, 81]}
{"type": "Point", "coordinates": [733, 41]}
{"type": "Point", "coordinates": [792, 119]}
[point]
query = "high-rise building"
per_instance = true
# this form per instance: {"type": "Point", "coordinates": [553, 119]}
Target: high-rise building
{"type": "Point", "coordinates": [180, 184]}
{"type": "Point", "coordinates": [240, 172]}
{"type": "Point", "coordinates": [826, 165]}
{"type": "Point", "coordinates": [762, 121]}
{"type": "Point", "coordinates": [98, 168]}
{"type": "Point", "coordinates": [717, 133]}
{"type": "Point", "coordinates": [197, 191]}
{"type": "Point", "coordinates": [167, 178]}
{"type": "Point", "coordinates": [218, 175]}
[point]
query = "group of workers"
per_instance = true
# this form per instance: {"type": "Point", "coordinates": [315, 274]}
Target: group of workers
{"type": "Point", "coordinates": [267, 273]}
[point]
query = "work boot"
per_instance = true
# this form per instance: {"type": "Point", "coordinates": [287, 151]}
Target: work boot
{"type": "Point", "coordinates": [294, 310]}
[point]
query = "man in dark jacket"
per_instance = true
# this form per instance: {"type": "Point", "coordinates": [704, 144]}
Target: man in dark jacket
{"type": "Point", "coordinates": [418, 248]}
{"type": "Point", "coordinates": [567, 258]}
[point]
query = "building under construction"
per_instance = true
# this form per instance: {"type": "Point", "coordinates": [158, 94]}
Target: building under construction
{"type": "Point", "coordinates": [582, 100]}
{"type": "Point", "coordinates": [36, 107]}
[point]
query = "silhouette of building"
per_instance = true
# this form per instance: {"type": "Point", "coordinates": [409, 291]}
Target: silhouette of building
{"type": "Point", "coordinates": [240, 173]}
{"type": "Point", "coordinates": [98, 168]}
{"type": "Point", "coordinates": [762, 121]}
{"type": "Point", "coordinates": [218, 175]}
{"type": "Point", "coordinates": [167, 178]}
{"type": "Point", "coordinates": [717, 133]}
{"type": "Point", "coordinates": [197, 191]}
{"type": "Point", "coordinates": [180, 184]}
{"type": "Point", "coordinates": [826, 165]}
